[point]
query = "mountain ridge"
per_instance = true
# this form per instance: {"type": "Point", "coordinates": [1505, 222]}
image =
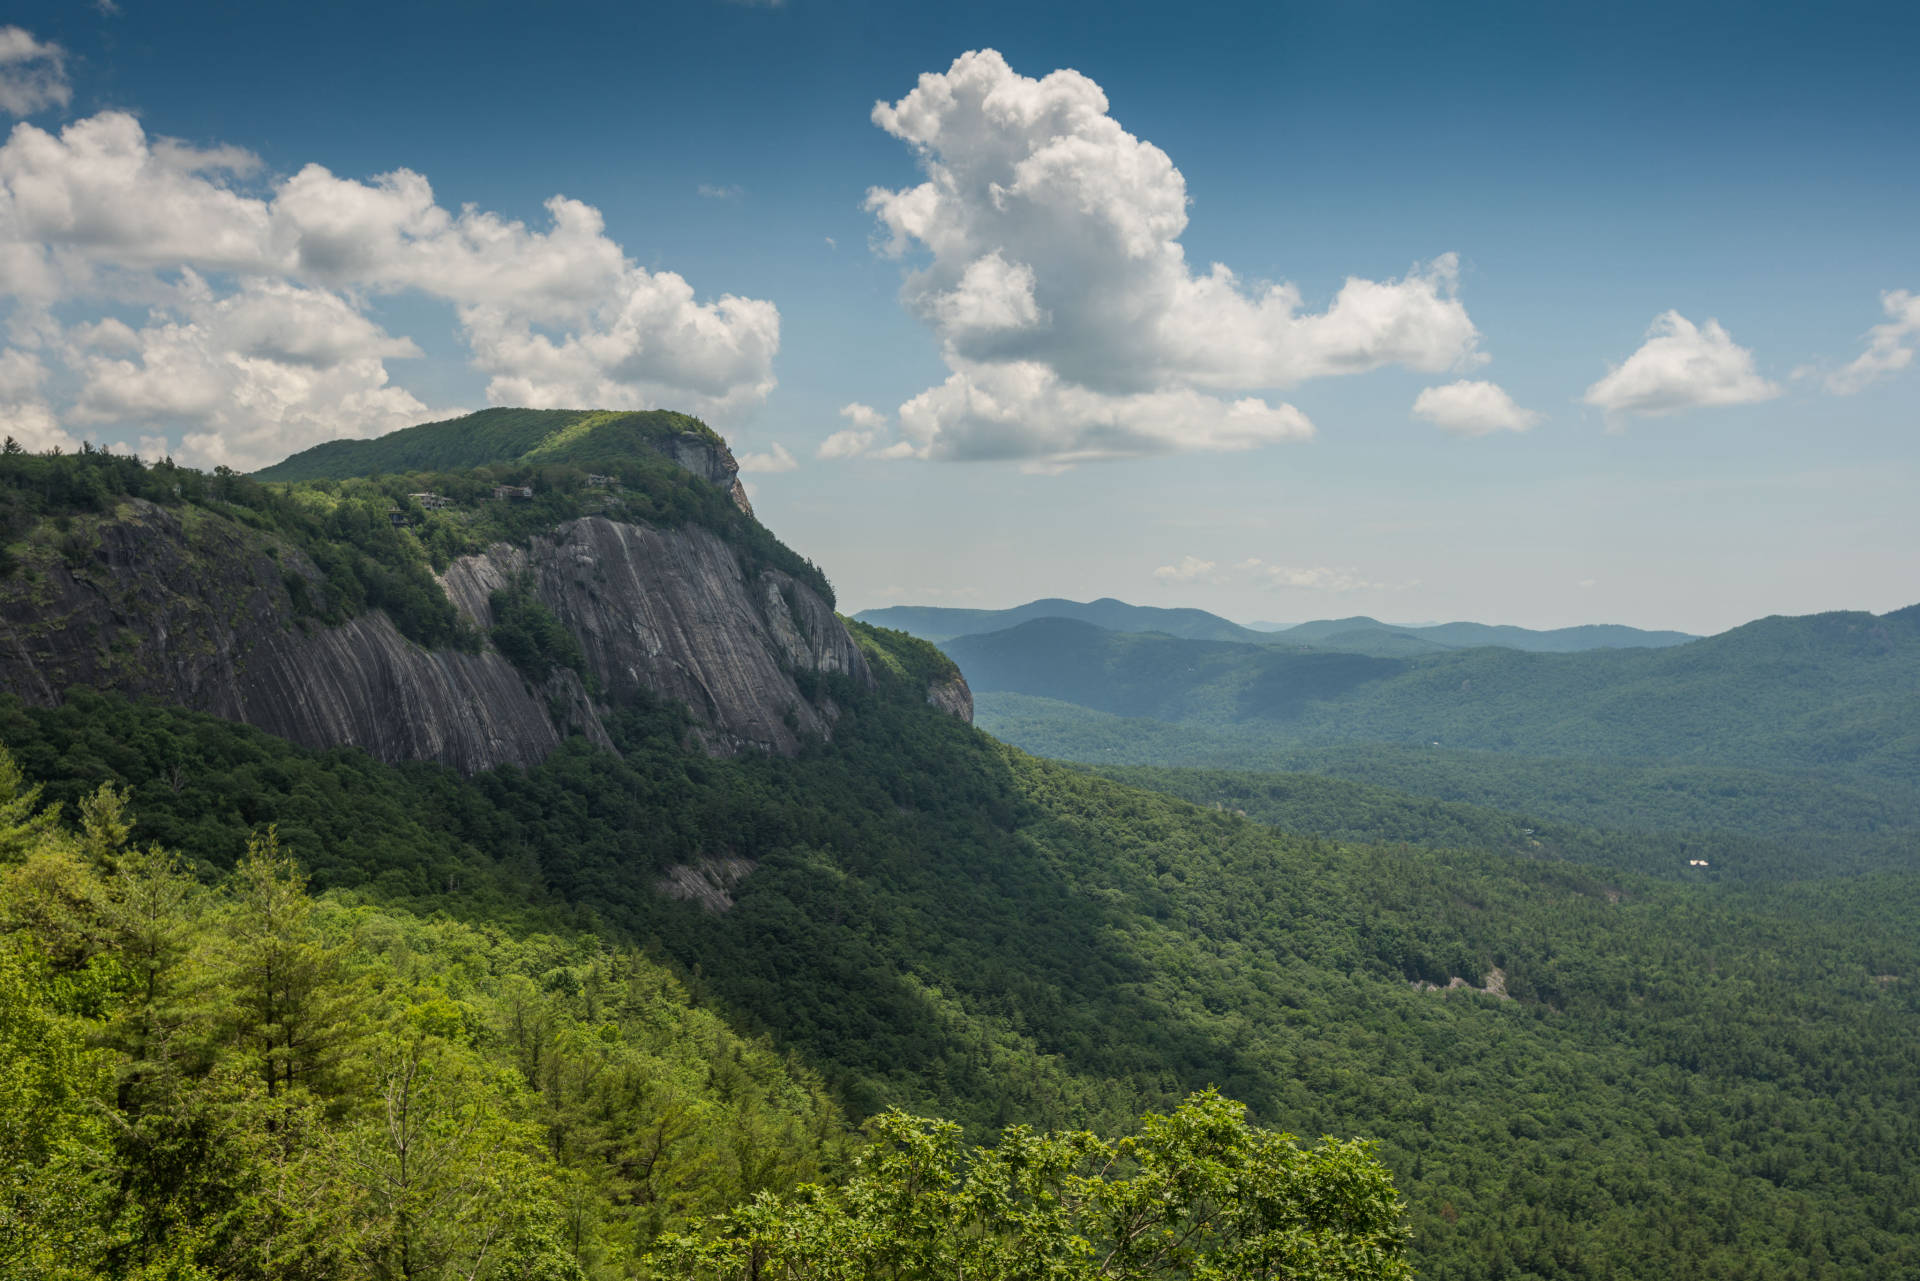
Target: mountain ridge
{"type": "Point", "coordinates": [1826, 690]}
{"type": "Point", "coordinates": [1359, 634]}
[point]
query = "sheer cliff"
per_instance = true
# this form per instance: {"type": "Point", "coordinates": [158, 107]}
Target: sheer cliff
{"type": "Point", "coordinates": [233, 606]}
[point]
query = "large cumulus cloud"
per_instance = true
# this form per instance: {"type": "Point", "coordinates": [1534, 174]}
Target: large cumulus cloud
{"type": "Point", "coordinates": [257, 339]}
{"type": "Point", "coordinates": [1048, 263]}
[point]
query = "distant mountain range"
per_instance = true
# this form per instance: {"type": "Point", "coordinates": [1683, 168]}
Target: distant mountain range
{"type": "Point", "coordinates": [1838, 690]}
{"type": "Point", "coordinates": [1358, 635]}
{"type": "Point", "coordinates": [936, 624]}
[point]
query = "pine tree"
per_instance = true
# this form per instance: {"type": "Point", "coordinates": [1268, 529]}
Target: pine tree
{"type": "Point", "coordinates": [296, 1002]}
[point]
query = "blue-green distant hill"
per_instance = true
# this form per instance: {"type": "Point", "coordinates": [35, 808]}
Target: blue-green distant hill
{"type": "Point", "coordinates": [936, 624]}
{"type": "Point", "coordinates": [1346, 633]}
{"type": "Point", "coordinates": [1354, 635]}
{"type": "Point", "coordinates": [1830, 691]}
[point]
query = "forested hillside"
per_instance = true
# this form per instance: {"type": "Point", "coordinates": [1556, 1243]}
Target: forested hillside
{"type": "Point", "coordinates": [1640, 795]}
{"type": "Point", "coordinates": [939, 922]}
{"type": "Point", "coordinates": [1829, 691]}
{"type": "Point", "coordinates": [499, 436]}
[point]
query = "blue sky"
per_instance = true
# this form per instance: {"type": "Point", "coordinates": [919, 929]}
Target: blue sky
{"type": "Point", "coordinates": [1529, 189]}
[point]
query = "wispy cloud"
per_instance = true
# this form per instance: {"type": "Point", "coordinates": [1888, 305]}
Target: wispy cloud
{"type": "Point", "coordinates": [1321, 578]}
{"type": "Point", "coordinates": [1188, 569]}
{"type": "Point", "coordinates": [775, 460]}
{"type": "Point", "coordinates": [727, 191]}
{"type": "Point", "coordinates": [1261, 573]}
{"type": "Point", "coordinates": [33, 73]}
{"type": "Point", "coordinates": [866, 425]}
{"type": "Point", "coordinates": [1889, 346]}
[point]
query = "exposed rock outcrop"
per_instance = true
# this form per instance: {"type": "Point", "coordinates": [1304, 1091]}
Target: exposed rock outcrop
{"type": "Point", "coordinates": [952, 696]}
{"type": "Point", "coordinates": [672, 613]}
{"type": "Point", "coordinates": [711, 462]}
{"type": "Point", "coordinates": [199, 611]}
{"type": "Point", "coordinates": [707, 881]}
{"type": "Point", "coordinates": [364, 684]}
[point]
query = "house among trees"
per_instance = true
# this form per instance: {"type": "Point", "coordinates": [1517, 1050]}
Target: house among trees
{"type": "Point", "coordinates": [597, 481]}
{"type": "Point", "coordinates": [513, 493]}
{"type": "Point", "coordinates": [432, 502]}
{"type": "Point", "coordinates": [399, 519]}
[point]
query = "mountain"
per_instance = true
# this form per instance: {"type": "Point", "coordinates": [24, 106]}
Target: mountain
{"type": "Point", "coordinates": [935, 623]}
{"type": "Point", "coordinates": [1834, 691]}
{"type": "Point", "coordinates": [1347, 633]}
{"type": "Point", "coordinates": [714, 867]}
{"type": "Point", "coordinates": [1355, 635]}
{"type": "Point", "coordinates": [341, 611]}
{"type": "Point", "coordinates": [535, 437]}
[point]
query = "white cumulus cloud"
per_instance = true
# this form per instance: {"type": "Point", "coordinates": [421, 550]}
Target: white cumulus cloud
{"type": "Point", "coordinates": [24, 413]}
{"type": "Point", "coordinates": [21, 375]}
{"type": "Point", "coordinates": [1682, 366]}
{"type": "Point", "coordinates": [776, 459]}
{"type": "Point", "coordinates": [33, 73]}
{"type": "Point", "coordinates": [1048, 264]}
{"type": "Point", "coordinates": [33, 426]}
{"type": "Point", "coordinates": [1472, 408]}
{"type": "Point", "coordinates": [1889, 346]}
{"type": "Point", "coordinates": [243, 377]}
{"type": "Point", "coordinates": [1027, 410]}
{"type": "Point", "coordinates": [555, 315]}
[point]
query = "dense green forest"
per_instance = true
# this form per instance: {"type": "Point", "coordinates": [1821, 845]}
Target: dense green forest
{"type": "Point", "coordinates": [1343, 809]}
{"type": "Point", "coordinates": [1710, 1079]}
{"type": "Point", "coordinates": [1637, 795]}
{"type": "Point", "coordinates": [1829, 691]}
{"type": "Point", "coordinates": [239, 1079]}
{"type": "Point", "coordinates": [232, 1078]}
{"type": "Point", "coordinates": [495, 436]}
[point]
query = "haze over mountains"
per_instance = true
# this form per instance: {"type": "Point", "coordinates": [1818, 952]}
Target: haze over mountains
{"type": "Point", "coordinates": [1360, 634]}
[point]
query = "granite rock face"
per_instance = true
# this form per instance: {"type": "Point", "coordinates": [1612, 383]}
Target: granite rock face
{"type": "Point", "coordinates": [672, 613]}
{"type": "Point", "coordinates": [712, 463]}
{"type": "Point", "coordinates": [952, 696]}
{"type": "Point", "coordinates": [199, 611]}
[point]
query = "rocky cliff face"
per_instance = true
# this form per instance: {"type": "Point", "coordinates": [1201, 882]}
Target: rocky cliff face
{"type": "Point", "coordinates": [672, 613]}
{"type": "Point", "coordinates": [197, 611]}
{"type": "Point", "coordinates": [952, 696]}
{"type": "Point", "coordinates": [712, 463]}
